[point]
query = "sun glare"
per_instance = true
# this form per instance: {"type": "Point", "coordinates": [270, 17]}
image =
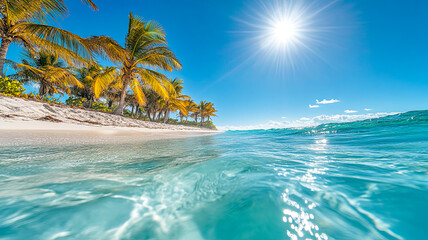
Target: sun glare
{"type": "Point", "coordinates": [287, 33]}
{"type": "Point", "coordinates": [284, 31]}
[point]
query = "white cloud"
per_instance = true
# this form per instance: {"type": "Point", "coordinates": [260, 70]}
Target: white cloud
{"type": "Point", "coordinates": [325, 101]}
{"type": "Point", "coordinates": [35, 85]}
{"type": "Point", "coordinates": [367, 109]}
{"type": "Point", "coordinates": [313, 106]}
{"type": "Point", "coordinates": [350, 111]}
{"type": "Point", "coordinates": [283, 117]}
{"type": "Point", "coordinates": [309, 122]}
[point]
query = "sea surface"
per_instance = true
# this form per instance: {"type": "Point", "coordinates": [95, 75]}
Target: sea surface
{"type": "Point", "coordinates": [359, 180]}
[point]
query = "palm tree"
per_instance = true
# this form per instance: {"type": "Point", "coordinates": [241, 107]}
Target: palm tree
{"type": "Point", "coordinates": [190, 107]}
{"type": "Point", "coordinates": [48, 71]}
{"type": "Point", "coordinates": [195, 115]}
{"type": "Point", "coordinates": [25, 22]}
{"type": "Point", "coordinates": [152, 105]}
{"type": "Point", "coordinates": [210, 111]}
{"type": "Point", "coordinates": [206, 110]}
{"type": "Point", "coordinates": [145, 51]}
{"type": "Point", "coordinates": [202, 108]}
{"type": "Point", "coordinates": [95, 80]}
{"type": "Point", "coordinates": [175, 100]}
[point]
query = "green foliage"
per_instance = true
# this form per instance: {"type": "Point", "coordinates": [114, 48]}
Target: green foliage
{"type": "Point", "coordinates": [99, 106]}
{"type": "Point", "coordinates": [206, 124]}
{"type": "Point", "coordinates": [75, 101]}
{"type": "Point", "coordinates": [126, 112]}
{"type": "Point", "coordinates": [173, 121]}
{"type": "Point", "coordinates": [82, 102]}
{"type": "Point", "coordinates": [11, 87]}
{"type": "Point", "coordinates": [51, 99]}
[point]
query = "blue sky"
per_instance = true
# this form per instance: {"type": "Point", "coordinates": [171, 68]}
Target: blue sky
{"type": "Point", "coordinates": [367, 54]}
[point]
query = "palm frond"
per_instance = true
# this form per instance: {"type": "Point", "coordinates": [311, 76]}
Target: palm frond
{"type": "Point", "coordinates": [138, 91]}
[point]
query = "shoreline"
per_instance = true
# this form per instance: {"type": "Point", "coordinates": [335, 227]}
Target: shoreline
{"type": "Point", "coordinates": [20, 118]}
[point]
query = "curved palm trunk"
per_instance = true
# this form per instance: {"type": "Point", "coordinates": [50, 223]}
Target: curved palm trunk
{"type": "Point", "coordinates": [3, 51]}
{"type": "Point", "coordinates": [119, 110]}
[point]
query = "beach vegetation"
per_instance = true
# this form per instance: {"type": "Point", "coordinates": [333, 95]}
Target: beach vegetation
{"type": "Point", "coordinates": [100, 106]}
{"type": "Point", "coordinates": [206, 110]}
{"type": "Point", "coordinates": [95, 80]}
{"type": "Point", "coordinates": [11, 87]}
{"type": "Point", "coordinates": [46, 70]}
{"type": "Point", "coordinates": [175, 101]}
{"type": "Point", "coordinates": [56, 61]}
{"type": "Point", "coordinates": [27, 24]}
{"type": "Point", "coordinates": [51, 99]}
{"type": "Point", "coordinates": [145, 51]}
{"type": "Point", "coordinates": [75, 101]}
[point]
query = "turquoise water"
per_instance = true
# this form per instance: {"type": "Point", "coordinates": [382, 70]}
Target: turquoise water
{"type": "Point", "coordinates": [362, 180]}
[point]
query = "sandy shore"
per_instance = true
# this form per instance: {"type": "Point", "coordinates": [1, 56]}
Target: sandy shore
{"type": "Point", "coordinates": [22, 120]}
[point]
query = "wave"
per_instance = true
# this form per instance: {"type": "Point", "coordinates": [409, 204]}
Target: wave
{"type": "Point", "coordinates": [400, 119]}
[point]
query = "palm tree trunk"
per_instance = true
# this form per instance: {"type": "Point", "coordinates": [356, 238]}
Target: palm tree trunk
{"type": "Point", "coordinates": [132, 110]}
{"type": "Point", "coordinates": [3, 51]}
{"type": "Point", "coordinates": [119, 110]}
{"type": "Point", "coordinates": [148, 114]}
{"type": "Point", "coordinates": [166, 116]}
{"type": "Point", "coordinates": [42, 90]}
{"type": "Point", "coordinates": [137, 111]}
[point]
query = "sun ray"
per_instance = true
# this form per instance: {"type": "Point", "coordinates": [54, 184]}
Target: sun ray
{"type": "Point", "coordinates": [288, 32]}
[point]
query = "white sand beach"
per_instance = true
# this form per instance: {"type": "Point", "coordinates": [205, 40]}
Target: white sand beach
{"type": "Point", "coordinates": [22, 119]}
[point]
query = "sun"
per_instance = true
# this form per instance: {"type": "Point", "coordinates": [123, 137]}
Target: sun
{"type": "Point", "coordinates": [284, 32]}
{"type": "Point", "coordinates": [288, 34]}
{"type": "Point", "coordinates": [285, 29]}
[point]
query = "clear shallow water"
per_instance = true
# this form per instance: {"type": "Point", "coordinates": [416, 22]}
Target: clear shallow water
{"type": "Point", "coordinates": [363, 180]}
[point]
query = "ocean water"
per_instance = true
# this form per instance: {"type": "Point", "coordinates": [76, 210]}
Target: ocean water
{"type": "Point", "coordinates": [360, 180]}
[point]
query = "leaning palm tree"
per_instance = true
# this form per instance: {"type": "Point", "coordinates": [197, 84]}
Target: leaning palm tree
{"type": "Point", "coordinates": [145, 51]}
{"type": "Point", "coordinates": [48, 71]}
{"type": "Point", "coordinates": [26, 23]}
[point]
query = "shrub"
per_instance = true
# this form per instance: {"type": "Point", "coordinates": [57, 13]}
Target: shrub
{"type": "Point", "coordinates": [77, 102]}
{"type": "Point", "coordinates": [11, 87]}
{"type": "Point", "coordinates": [126, 112]}
{"type": "Point", "coordinates": [208, 124]}
{"type": "Point", "coordinates": [99, 106]}
{"type": "Point", "coordinates": [51, 99]}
